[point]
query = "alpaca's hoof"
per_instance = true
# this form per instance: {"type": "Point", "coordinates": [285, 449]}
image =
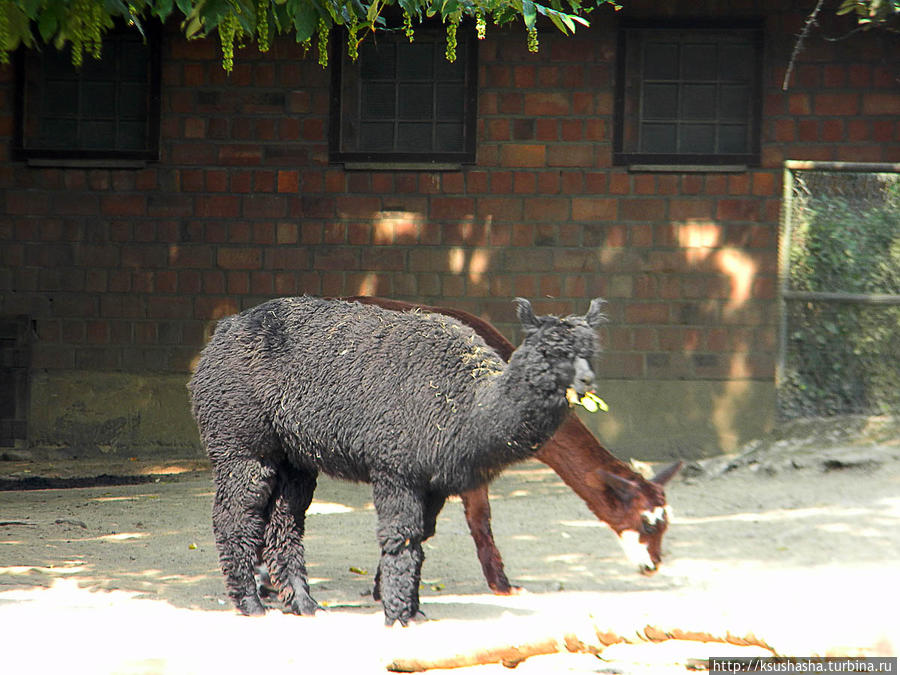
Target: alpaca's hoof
{"type": "Point", "coordinates": [250, 606]}
{"type": "Point", "coordinates": [417, 618]}
{"type": "Point", "coordinates": [508, 590]}
{"type": "Point", "coordinates": [303, 606]}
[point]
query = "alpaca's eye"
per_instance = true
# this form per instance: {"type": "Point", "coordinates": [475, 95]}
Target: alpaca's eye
{"type": "Point", "coordinates": [648, 526]}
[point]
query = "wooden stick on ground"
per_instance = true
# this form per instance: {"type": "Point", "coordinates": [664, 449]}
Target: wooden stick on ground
{"type": "Point", "coordinates": [511, 655]}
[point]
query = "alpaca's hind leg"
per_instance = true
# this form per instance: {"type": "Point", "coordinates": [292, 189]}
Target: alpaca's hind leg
{"type": "Point", "coordinates": [478, 515]}
{"type": "Point", "coordinates": [283, 549]}
{"type": "Point", "coordinates": [400, 531]}
{"type": "Point", "coordinates": [243, 490]}
{"type": "Point", "coordinates": [433, 505]}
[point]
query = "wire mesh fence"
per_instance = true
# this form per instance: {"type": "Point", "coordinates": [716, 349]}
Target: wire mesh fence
{"type": "Point", "coordinates": [839, 348]}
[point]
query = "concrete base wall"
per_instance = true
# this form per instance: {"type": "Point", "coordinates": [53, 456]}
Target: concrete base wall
{"type": "Point", "coordinates": [92, 414]}
{"type": "Point", "coordinates": [677, 419]}
{"type": "Point", "coordinates": [89, 414]}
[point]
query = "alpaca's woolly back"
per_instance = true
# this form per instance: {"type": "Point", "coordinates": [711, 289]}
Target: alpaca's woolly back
{"type": "Point", "coordinates": [354, 390]}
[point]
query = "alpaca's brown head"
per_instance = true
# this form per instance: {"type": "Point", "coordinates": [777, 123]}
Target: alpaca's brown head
{"type": "Point", "coordinates": [638, 513]}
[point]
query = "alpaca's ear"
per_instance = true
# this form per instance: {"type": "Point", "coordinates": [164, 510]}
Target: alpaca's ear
{"type": "Point", "coordinates": [526, 314]}
{"type": "Point", "coordinates": [665, 475]}
{"type": "Point", "coordinates": [595, 316]}
{"type": "Point", "coordinates": [624, 489]}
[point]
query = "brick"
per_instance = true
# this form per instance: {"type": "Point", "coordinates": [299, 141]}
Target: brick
{"type": "Point", "coordinates": [575, 260]}
{"type": "Point", "coordinates": [144, 256]}
{"type": "Point", "coordinates": [244, 258]}
{"type": "Point", "coordinates": [288, 181]}
{"type": "Point", "coordinates": [523, 234]}
{"type": "Point", "coordinates": [238, 155]}
{"type": "Point", "coordinates": [838, 104]}
{"type": "Point", "coordinates": [572, 182]}
{"type": "Point", "coordinates": [336, 258]}
{"type": "Point", "coordinates": [881, 103]}
{"type": "Point", "coordinates": [593, 209]}
{"type": "Point", "coordinates": [785, 131]}
{"type": "Point", "coordinates": [189, 282]}
{"type": "Point", "coordinates": [383, 259]}
{"type": "Point", "coordinates": [525, 156]}
{"type": "Point", "coordinates": [211, 307]}
{"type": "Point", "coordinates": [738, 209]}
{"type": "Point", "coordinates": [218, 206]}
{"type": "Point", "coordinates": [123, 205]}
{"type": "Point", "coordinates": [525, 182]}
{"type": "Point", "coordinates": [503, 209]}
{"type": "Point", "coordinates": [642, 209]}
{"type": "Point", "coordinates": [196, 256]}
{"type": "Point", "coordinates": [497, 129]}
{"type": "Point", "coordinates": [451, 183]}
{"type": "Point", "coordinates": [286, 233]}
{"type": "Point", "coordinates": [336, 233]}
{"type": "Point", "coordinates": [799, 104]}
{"type": "Point", "coordinates": [264, 206]}
{"type": "Point", "coordinates": [690, 209]}
{"type": "Point", "coordinates": [170, 307]}
{"type": "Point", "coordinates": [527, 260]}
{"type": "Point", "coordinates": [832, 131]}
{"type": "Point", "coordinates": [287, 258]}
{"type": "Point", "coordinates": [165, 281]}
{"type": "Point", "coordinates": [546, 103]}
{"type": "Point", "coordinates": [547, 208]}
{"type": "Point", "coordinates": [570, 155]}
{"type": "Point", "coordinates": [358, 207]}
{"type": "Point", "coordinates": [510, 103]}
{"type": "Point", "coordinates": [237, 282]}
{"type": "Point", "coordinates": [452, 208]}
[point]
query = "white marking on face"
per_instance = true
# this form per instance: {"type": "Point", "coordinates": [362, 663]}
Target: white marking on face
{"type": "Point", "coordinates": [654, 516]}
{"type": "Point", "coordinates": [635, 551]}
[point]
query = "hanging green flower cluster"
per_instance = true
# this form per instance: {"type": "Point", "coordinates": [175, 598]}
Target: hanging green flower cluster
{"type": "Point", "coordinates": [4, 31]}
{"type": "Point", "coordinates": [452, 26]}
{"type": "Point", "coordinates": [352, 40]}
{"type": "Point", "coordinates": [480, 24]}
{"type": "Point", "coordinates": [229, 29]}
{"type": "Point", "coordinates": [533, 44]}
{"type": "Point", "coordinates": [85, 23]}
{"type": "Point", "coordinates": [82, 23]}
{"type": "Point", "coordinates": [323, 43]}
{"type": "Point", "coordinates": [407, 26]}
{"type": "Point", "coordinates": [262, 25]}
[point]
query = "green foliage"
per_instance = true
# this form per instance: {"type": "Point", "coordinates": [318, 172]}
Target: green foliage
{"type": "Point", "coordinates": [845, 357]}
{"type": "Point", "coordinates": [81, 23]}
{"type": "Point", "coordinates": [871, 12]}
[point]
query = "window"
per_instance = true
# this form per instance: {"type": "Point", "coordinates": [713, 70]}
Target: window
{"type": "Point", "coordinates": [403, 102]}
{"type": "Point", "coordinates": [688, 95]}
{"type": "Point", "coordinates": [106, 110]}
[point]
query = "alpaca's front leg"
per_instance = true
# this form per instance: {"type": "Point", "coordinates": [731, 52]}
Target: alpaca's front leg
{"type": "Point", "coordinates": [433, 504]}
{"type": "Point", "coordinates": [400, 533]}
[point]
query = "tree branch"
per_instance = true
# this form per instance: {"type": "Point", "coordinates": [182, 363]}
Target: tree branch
{"type": "Point", "coordinates": [810, 20]}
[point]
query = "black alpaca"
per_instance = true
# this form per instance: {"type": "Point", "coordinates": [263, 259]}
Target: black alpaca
{"type": "Point", "coordinates": [414, 403]}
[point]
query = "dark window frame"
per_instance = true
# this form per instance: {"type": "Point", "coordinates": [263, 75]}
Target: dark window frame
{"type": "Point", "coordinates": [467, 47]}
{"type": "Point", "coordinates": [630, 155]}
{"type": "Point", "coordinates": [23, 150]}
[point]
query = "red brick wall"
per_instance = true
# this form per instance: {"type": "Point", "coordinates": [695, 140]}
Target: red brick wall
{"type": "Point", "coordinates": [124, 270]}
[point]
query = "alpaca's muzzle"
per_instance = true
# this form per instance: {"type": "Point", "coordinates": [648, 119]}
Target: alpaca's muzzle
{"type": "Point", "coordinates": [584, 377]}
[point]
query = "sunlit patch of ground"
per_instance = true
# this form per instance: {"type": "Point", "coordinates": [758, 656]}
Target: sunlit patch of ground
{"type": "Point", "coordinates": [126, 579]}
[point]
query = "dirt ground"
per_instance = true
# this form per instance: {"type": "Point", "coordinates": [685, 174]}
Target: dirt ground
{"type": "Point", "coordinates": [796, 544]}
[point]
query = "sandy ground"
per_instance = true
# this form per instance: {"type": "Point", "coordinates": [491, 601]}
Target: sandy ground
{"type": "Point", "coordinates": [803, 553]}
